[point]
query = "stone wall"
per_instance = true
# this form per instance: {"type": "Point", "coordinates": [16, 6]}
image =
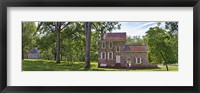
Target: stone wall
{"type": "Point", "coordinates": [133, 55]}
{"type": "Point", "coordinates": [144, 61]}
{"type": "Point", "coordinates": [110, 62]}
{"type": "Point", "coordinates": [124, 56]}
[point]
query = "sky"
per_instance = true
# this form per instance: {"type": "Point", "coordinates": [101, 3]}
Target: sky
{"type": "Point", "coordinates": [137, 28]}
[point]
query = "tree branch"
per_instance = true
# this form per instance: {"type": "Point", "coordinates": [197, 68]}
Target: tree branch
{"type": "Point", "coordinates": [39, 25]}
{"type": "Point", "coordinates": [65, 26]}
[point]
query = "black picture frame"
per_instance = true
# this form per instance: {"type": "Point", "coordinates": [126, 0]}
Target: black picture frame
{"type": "Point", "coordinates": [99, 3]}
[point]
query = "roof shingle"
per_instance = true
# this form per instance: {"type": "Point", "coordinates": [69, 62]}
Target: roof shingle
{"type": "Point", "coordinates": [114, 36]}
{"type": "Point", "coordinates": [135, 48]}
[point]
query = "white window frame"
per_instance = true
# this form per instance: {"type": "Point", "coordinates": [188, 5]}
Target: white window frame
{"type": "Point", "coordinates": [140, 61]}
{"type": "Point", "coordinates": [109, 55]}
{"type": "Point", "coordinates": [103, 44]}
{"type": "Point", "coordinates": [102, 55]}
{"type": "Point", "coordinates": [117, 47]}
{"type": "Point", "coordinates": [110, 44]}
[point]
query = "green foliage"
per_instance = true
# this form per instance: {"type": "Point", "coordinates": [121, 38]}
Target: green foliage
{"type": "Point", "coordinates": [94, 46]}
{"type": "Point", "coordinates": [103, 27]}
{"type": "Point", "coordinates": [172, 26]}
{"type": "Point", "coordinates": [72, 39]}
{"type": "Point", "coordinates": [160, 45]}
{"type": "Point", "coordinates": [28, 37]}
{"type": "Point", "coordinates": [136, 40]}
{"type": "Point", "coordinates": [173, 32]}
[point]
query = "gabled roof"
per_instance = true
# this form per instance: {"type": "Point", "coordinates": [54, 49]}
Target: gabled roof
{"type": "Point", "coordinates": [114, 36]}
{"type": "Point", "coordinates": [34, 51]}
{"type": "Point", "coordinates": [135, 48]}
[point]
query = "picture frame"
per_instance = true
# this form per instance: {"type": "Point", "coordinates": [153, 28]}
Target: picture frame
{"type": "Point", "coordinates": [102, 3]}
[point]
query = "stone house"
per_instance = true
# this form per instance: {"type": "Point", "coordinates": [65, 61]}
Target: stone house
{"type": "Point", "coordinates": [113, 52]}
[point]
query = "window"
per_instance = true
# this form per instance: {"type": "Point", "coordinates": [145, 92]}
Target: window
{"type": "Point", "coordinates": [110, 55]}
{"type": "Point", "coordinates": [103, 55]}
{"type": "Point", "coordinates": [138, 60]}
{"type": "Point", "coordinates": [110, 45]}
{"type": "Point", "coordinates": [103, 44]}
{"type": "Point", "coordinates": [118, 49]}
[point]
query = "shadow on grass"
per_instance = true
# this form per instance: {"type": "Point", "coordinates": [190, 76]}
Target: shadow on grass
{"type": "Point", "coordinates": [43, 65]}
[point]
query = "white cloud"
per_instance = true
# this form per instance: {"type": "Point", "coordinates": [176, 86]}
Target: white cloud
{"type": "Point", "coordinates": [141, 29]}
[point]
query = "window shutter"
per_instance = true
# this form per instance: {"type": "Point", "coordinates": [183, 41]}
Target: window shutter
{"type": "Point", "coordinates": [140, 60]}
{"type": "Point", "coordinates": [136, 60]}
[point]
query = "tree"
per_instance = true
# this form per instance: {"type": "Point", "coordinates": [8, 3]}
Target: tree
{"type": "Point", "coordinates": [47, 45]}
{"type": "Point", "coordinates": [88, 26]}
{"type": "Point", "coordinates": [135, 40]}
{"type": "Point", "coordinates": [94, 46]}
{"type": "Point", "coordinates": [160, 46]}
{"type": "Point", "coordinates": [173, 32]}
{"type": "Point", "coordinates": [28, 34]}
{"type": "Point", "coordinates": [172, 26]}
{"type": "Point", "coordinates": [57, 27]}
{"type": "Point", "coordinates": [74, 38]}
{"type": "Point", "coordinates": [103, 27]}
{"type": "Point", "coordinates": [73, 42]}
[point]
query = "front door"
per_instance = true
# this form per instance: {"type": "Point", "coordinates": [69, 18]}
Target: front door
{"type": "Point", "coordinates": [117, 58]}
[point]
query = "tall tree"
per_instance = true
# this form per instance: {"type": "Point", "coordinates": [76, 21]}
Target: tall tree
{"type": "Point", "coordinates": [46, 45]}
{"type": "Point", "coordinates": [88, 26]}
{"type": "Point", "coordinates": [57, 27]}
{"type": "Point", "coordinates": [28, 34]}
{"type": "Point", "coordinates": [159, 45]}
{"type": "Point", "coordinates": [73, 42]}
{"type": "Point", "coordinates": [103, 27]}
{"type": "Point", "coordinates": [173, 32]}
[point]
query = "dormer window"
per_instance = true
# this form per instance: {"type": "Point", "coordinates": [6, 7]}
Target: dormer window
{"type": "Point", "coordinates": [110, 45]}
{"type": "Point", "coordinates": [103, 44]}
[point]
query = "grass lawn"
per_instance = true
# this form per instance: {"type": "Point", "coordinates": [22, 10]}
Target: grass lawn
{"type": "Point", "coordinates": [50, 65]}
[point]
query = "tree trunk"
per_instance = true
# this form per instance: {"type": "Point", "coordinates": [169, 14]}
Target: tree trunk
{"type": "Point", "coordinates": [57, 44]}
{"type": "Point", "coordinates": [88, 39]}
{"type": "Point", "coordinates": [54, 57]}
{"type": "Point", "coordinates": [61, 57]}
{"type": "Point", "coordinates": [165, 61]}
{"type": "Point", "coordinates": [167, 67]}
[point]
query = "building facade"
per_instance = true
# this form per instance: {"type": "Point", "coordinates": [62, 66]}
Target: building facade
{"type": "Point", "coordinates": [113, 52]}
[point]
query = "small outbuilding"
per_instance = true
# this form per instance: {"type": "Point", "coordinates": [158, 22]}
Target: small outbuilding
{"type": "Point", "coordinates": [34, 54]}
